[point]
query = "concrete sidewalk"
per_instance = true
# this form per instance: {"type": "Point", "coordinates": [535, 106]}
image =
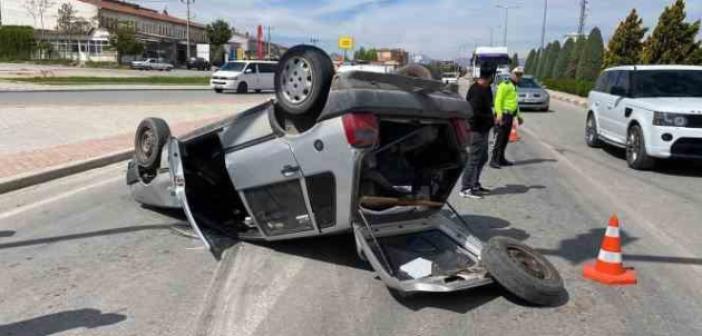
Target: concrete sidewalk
{"type": "Point", "coordinates": [37, 137]}
{"type": "Point", "coordinates": [567, 97]}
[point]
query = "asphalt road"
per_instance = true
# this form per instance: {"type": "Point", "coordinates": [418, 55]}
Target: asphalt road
{"type": "Point", "coordinates": [78, 255]}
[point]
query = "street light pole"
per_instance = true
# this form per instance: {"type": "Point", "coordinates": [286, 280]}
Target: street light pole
{"type": "Point", "coordinates": [187, 26]}
{"type": "Point", "coordinates": [506, 8]}
{"type": "Point", "coordinates": [543, 24]}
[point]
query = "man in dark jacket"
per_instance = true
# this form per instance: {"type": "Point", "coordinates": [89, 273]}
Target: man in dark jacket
{"type": "Point", "coordinates": [480, 98]}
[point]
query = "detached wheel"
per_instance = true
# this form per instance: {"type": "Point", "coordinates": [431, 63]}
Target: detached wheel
{"type": "Point", "coordinates": [523, 271]}
{"type": "Point", "coordinates": [151, 135]}
{"type": "Point", "coordinates": [242, 88]}
{"type": "Point", "coordinates": [302, 80]}
{"type": "Point", "coordinates": [592, 138]}
{"type": "Point", "coordinates": [636, 155]}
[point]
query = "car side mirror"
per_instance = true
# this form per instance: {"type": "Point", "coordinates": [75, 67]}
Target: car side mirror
{"type": "Point", "coordinates": [249, 70]}
{"type": "Point", "coordinates": [618, 91]}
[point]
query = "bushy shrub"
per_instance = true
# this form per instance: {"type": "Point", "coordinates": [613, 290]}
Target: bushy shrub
{"type": "Point", "coordinates": [16, 42]}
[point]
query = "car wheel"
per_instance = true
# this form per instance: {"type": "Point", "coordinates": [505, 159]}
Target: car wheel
{"type": "Point", "coordinates": [258, 90]}
{"type": "Point", "coordinates": [524, 272]}
{"type": "Point", "coordinates": [151, 135]}
{"type": "Point", "coordinates": [636, 155]}
{"type": "Point", "coordinates": [218, 90]}
{"type": "Point", "coordinates": [242, 88]}
{"type": "Point", "coordinates": [302, 80]}
{"type": "Point", "coordinates": [415, 70]}
{"type": "Point", "coordinates": [592, 138]}
{"type": "Point", "coordinates": [546, 109]}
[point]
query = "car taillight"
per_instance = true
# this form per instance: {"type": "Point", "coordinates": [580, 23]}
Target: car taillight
{"type": "Point", "coordinates": [361, 129]}
{"type": "Point", "coordinates": [460, 126]}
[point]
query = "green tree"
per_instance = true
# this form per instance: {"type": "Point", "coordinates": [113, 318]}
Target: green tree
{"type": "Point", "coordinates": [218, 32]}
{"type": "Point", "coordinates": [542, 60]}
{"type": "Point", "coordinates": [590, 62]}
{"type": "Point", "coordinates": [124, 42]}
{"type": "Point", "coordinates": [529, 64]}
{"type": "Point", "coordinates": [551, 60]}
{"type": "Point", "coordinates": [514, 62]}
{"type": "Point", "coordinates": [673, 40]}
{"type": "Point", "coordinates": [625, 46]}
{"type": "Point", "coordinates": [561, 63]}
{"type": "Point", "coordinates": [537, 62]}
{"type": "Point", "coordinates": [574, 57]}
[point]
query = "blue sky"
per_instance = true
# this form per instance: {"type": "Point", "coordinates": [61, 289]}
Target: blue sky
{"type": "Point", "coordinates": [443, 29]}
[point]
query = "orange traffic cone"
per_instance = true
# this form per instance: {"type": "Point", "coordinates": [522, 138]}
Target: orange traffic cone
{"type": "Point", "coordinates": [608, 268]}
{"type": "Point", "coordinates": [513, 135]}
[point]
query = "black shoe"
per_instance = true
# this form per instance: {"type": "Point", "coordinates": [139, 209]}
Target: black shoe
{"type": "Point", "coordinates": [483, 189]}
{"type": "Point", "coordinates": [495, 165]}
{"type": "Point", "coordinates": [470, 193]}
{"type": "Point", "coordinates": [507, 163]}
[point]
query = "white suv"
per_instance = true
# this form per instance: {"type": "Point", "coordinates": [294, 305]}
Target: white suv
{"type": "Point", "coordinates": [243, 76]}
{"type": "Point", "coordinates": [654, 111]}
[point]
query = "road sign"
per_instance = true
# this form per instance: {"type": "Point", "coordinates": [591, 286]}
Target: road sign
{"type": "Point", "coordinates": [346, 42]}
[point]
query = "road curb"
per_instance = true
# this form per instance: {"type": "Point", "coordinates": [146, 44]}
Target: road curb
{"type": "Point", "coordinates": [25, 180]}
{"type": "Point", "coordinates": [578, 101]}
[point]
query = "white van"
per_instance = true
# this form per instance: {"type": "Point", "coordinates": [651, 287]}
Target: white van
{"type": "Point", "coordinates": [243, 76]}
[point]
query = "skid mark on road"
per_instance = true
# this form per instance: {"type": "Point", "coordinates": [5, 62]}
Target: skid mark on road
{"type": "Point", "coordinates": [64, 195]}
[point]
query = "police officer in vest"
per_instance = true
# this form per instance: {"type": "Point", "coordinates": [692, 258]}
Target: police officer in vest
{"type": "Point", "coordinates": [506, 111]}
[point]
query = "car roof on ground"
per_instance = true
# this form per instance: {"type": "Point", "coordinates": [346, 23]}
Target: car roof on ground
{"type": "Point", "coordinates": [655, 67]}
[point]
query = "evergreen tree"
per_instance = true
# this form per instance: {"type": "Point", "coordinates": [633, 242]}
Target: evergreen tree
{"type": "Point", "coordinates": [590, 62]}
{"type": "Point", "coordinates": [673, 40]}
{"type": "Point", "coordinates": [574, 57]}
{"type": "Point", "coordinates": [561, 64]}
{"type": "Point", "coordinates": [537, 62]}
{"type": "Point", "coordinates": [625, 46]}
{"type": "Point", "coordinates": [542, 61]}
{"type": "Point", "coordinates": [514, 62]}
{"type": "Point", "coordinates": [551, 60]}
{"type": "Point", "coordinates": [529, 62]}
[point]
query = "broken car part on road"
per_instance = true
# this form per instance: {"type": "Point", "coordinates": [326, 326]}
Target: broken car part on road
{"type": "Point", "coordinates": [374, 154]}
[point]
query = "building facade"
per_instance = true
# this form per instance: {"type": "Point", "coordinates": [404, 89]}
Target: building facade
{"type": "Point", "coordinates": [164, 36]}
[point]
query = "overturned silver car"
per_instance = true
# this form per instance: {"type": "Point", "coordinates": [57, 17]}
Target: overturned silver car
{"type": "Point", "coordinates": [373, 154]}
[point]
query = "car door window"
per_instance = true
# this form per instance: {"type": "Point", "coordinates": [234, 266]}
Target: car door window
{"type": "Point", "coordinates": [601, 84]}
{"type": "Point", "coordinates": [620, 84]}
{"type": "Point", "coordinates": [266, 68]}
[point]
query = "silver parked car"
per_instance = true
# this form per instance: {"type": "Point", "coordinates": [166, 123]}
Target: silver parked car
{"type": "Point", "coordinates": [369, 153]}
{"type": "Point", "coordinates": [152, 64]}
{"type": "Point", "coordinates": [532, 95]}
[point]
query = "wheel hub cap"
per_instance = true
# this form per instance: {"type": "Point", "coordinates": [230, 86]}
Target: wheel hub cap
{"type": "Point", "coordinates": [147, 142]}
{"type": "Point", "coordinates": [296, 80]}
{"type": "Point", "coordinates": [528, 263]}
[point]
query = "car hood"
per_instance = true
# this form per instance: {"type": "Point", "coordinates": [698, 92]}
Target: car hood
{"type": "Point", "coordinates": [227, 73]}
{"type": "Point", "coordinates": [672, 104]}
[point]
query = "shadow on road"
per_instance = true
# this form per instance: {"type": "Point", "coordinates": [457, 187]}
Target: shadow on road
{"type": "Point", "coordinates": [486, 227]}
{"type": "Point", "coordinates": [513, 189]}
{"type": "Point", "coordinates": [7, 233]}
{"type": "Point", "coordinates": [533, 161]}
{"type": "Point", "coordinates": [675, 167]}
{"type": "Point", "coordinates": [60, 322]}
{"type": "Point", "coordinates": [457, 302]}
{"type": "Point", "coordinates": [84, 235]}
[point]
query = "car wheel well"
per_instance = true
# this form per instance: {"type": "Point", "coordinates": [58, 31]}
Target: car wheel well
{"type": "Point", "coordinates": [632, 124]}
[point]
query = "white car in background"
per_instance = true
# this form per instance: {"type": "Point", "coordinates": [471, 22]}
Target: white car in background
{"type": "Point", "coordinates": [654, 111]}
{"type": "Point", "coordinates": [243, 76]}
{"type": "Point", "coordinates": [449, 77]}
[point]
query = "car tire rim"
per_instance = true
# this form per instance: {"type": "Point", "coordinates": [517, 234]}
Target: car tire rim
{"type": "Point", "coordinates": [296, 80]}
{"type": "Point", "coordinates": [147, 143]}
{"type": "Point", "coordinates": [590, 130]}
{"type": "Point", "coordinates": [529, 263]}
{"type": "Point", "coordinates": [632, 148]}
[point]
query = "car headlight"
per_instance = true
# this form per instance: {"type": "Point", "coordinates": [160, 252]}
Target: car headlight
{"type": "Point", "coordinates": [669, 119]}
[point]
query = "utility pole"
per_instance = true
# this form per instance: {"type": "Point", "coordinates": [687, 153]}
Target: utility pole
{"type": "Point", "coordinates": [543, 24]}
{"type": "Point", "coordinates": [506, 8]}
{"type": "Point", "coordinates": [187, 26]}
{"type": "Point", "coordinates": [581, 19]}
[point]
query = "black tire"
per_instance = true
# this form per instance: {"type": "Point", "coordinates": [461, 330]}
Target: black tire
{"type": "Point", "coordinates": [524, 272]}
{"type": "Point", "coordinates": [297, 95]}
{"type": "Point", "coordinates": [415, 70]}
{"type": "Point", "coordinates": [592, 138]}
{"type": "Point", "coordinates": [257, 90]}
{"type": "Point", "coordinates": [546, 109]}
{"type": "Point", "coordinates": [151, 135]}
{"type": "Point", "coordinates": [636, 155]}
{"type": "Point", "coordinates": [242, 88]}
{"type": "Point", "coordinates": [218, 90]}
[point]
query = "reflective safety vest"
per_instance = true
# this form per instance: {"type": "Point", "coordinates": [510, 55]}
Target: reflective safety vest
{"type": "Point", "coordinates": [506, 99]}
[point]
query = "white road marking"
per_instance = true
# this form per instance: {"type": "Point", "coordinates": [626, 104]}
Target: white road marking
{"type": "Point", "coordinates": [64, 195]}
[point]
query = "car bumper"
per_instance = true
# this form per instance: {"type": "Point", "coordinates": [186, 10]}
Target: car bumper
{"type": "Point", "coordinates": [530, 104]}
{"type": "Point", "coordinates": [683, 143]}
{"type": "Point", "coordinates": [228, 84]}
